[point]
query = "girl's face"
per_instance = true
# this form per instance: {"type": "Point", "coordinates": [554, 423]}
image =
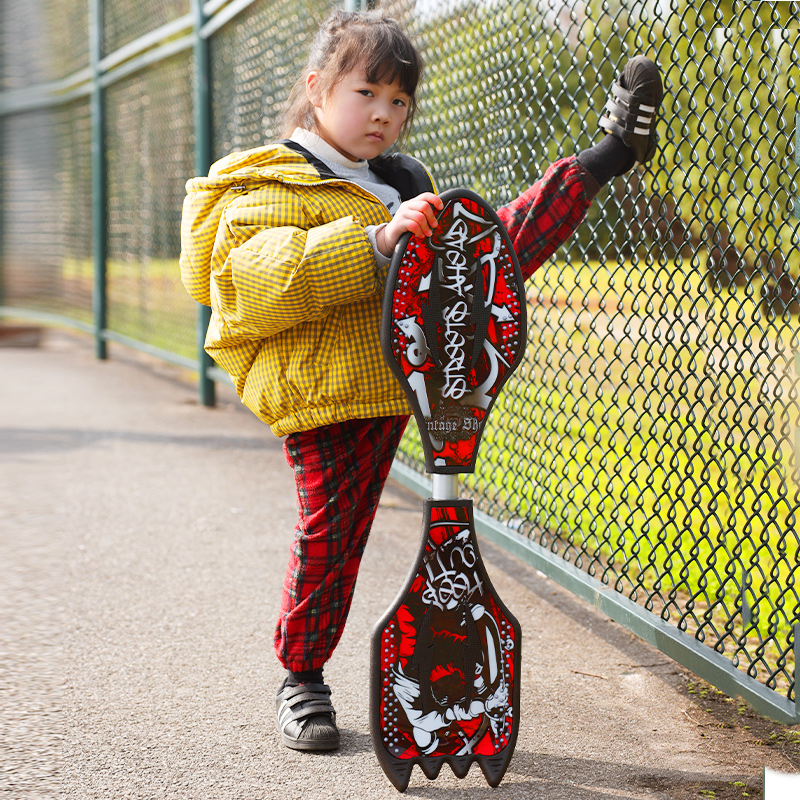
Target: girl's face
{"type": "Point", "coordinates": [357, 118]}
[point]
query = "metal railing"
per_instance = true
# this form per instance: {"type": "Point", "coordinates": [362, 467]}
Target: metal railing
{"type": "Point", "coordinates": [645, 454]}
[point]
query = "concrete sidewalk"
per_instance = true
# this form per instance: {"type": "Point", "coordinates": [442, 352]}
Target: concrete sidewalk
{"type": "Point", "coordinates": [143, 545]}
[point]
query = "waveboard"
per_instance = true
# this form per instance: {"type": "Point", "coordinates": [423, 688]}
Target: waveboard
{"type": "Point", "coordinates": [446, 654]}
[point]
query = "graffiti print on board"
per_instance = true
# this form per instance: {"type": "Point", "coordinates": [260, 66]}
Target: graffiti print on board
{"type": "Point", "coordinates": [454, 326]}
{"type": "Point", "coordinates": [448, 683]}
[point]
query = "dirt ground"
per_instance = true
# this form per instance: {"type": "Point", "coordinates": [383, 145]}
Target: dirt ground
{"type": "Point", "coordinates": [722, 721]}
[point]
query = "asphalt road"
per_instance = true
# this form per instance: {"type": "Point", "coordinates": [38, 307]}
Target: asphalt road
{"type": "Point", "coordinates": [143, 541]}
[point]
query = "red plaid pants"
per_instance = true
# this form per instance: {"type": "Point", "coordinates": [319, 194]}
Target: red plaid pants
{"type": "Point", "coordinates": [339, 471]}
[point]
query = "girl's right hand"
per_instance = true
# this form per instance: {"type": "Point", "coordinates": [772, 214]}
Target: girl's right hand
{"type": "Point", "coordinates": [416, 215]}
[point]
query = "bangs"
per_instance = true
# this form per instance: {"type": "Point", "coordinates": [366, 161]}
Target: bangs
{"type": "Point", "coordinates": [386, 55]}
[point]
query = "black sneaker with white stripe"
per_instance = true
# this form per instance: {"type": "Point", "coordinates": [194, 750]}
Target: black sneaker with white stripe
{"type": "Point", "coordinates": [632, 108]}
{"type": "Point", "coordinates": [305, 716]}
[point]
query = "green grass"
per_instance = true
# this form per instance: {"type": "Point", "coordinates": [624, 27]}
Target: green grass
{"type": "Point", "coordinates": [146, 301]}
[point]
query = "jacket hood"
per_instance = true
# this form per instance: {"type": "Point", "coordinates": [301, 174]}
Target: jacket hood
{"type": "Point", "coordinates": [271, 162]}
{"type": "Point", "coordinates": [207, 198]}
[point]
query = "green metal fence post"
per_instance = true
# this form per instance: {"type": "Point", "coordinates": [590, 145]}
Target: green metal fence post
{"type": "Point", "coordinates": [797, 159]}
{"type": "Point", "coordinates": [747, 612]}
{"type": "Point", "coordinates": [202, 162]}
{"type": "Point", "coordinates": [99, 198]}
{"type": "Point", "coordinates": [2, 213]}
{"type": "Point", "coordinates": [796, 642]}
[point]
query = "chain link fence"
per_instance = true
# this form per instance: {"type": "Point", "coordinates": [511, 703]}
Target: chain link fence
{"type": "Point", "coordinates": [149, 114]}
{"type": "Point", "coordinates": [46, 239]}
{"type": "Point", "coordinates": [125, 21]}
{"type": "Point", "coordinates": [649, 441]}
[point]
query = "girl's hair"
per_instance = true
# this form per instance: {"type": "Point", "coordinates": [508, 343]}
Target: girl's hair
{"type": "Point", "coordinates": [348, 39]}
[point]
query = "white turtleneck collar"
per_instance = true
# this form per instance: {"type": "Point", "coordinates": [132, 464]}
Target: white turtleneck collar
{"type": "Point", "coordinates": [358, 172]}
{"type": "Point", "coordinates": [320, 148]}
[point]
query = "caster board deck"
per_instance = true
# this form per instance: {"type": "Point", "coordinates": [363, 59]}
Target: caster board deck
{"type": "Point", "coordinates": [446, 660]}
{"type": "Point", "coordinates": [453, 326]}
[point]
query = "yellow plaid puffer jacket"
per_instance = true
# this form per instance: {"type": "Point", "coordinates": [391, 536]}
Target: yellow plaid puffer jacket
{"type": "Point", "coordinates": [275, 244]}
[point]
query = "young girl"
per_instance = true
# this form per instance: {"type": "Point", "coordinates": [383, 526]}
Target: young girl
{"type": "Point", "coordinates": [289, 244]}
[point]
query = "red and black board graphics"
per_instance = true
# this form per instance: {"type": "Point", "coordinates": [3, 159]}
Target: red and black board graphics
{"type": "Point", "coordinates": [446, 660]}
{"type": "Point", "coordinates": [454, 326]}
{"type": "Point", "coordinates": [446, 655]}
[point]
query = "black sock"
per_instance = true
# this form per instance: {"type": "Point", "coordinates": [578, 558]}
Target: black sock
{"type": "Point", "coordinates": [310, 676]}
{"type": "Point", "coordinates": [608, 158]}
